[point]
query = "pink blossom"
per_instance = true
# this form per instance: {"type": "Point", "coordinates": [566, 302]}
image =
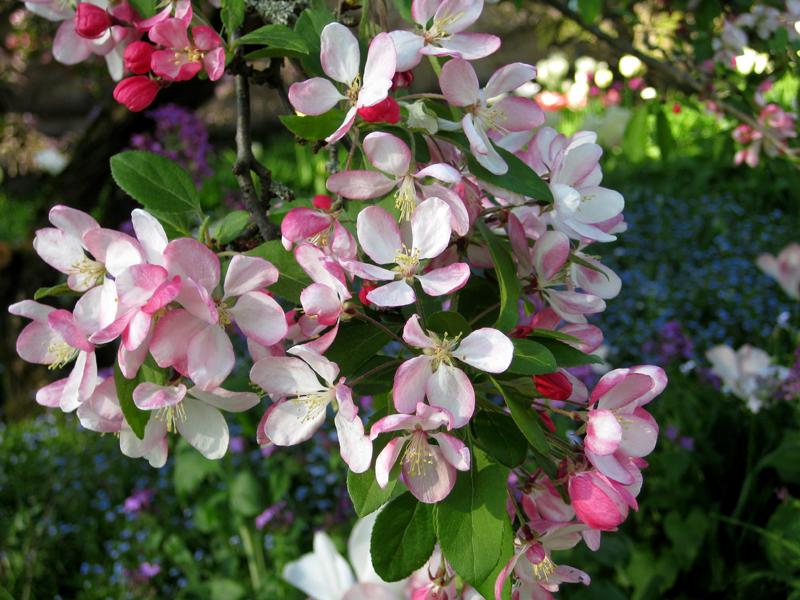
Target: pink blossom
{"type": "Point", "coordinates": [137, 57]}
{"type": "Point", "coordinates": [136, 93]}
{"type": "Point", "coordinates": [183, 59]}
{"type": "Point", "coordinates": [428, 470]}
{"type": "Point", "coordinates": [598, 501]}
{"type": "Point", "coordinates": [784, 268]}
{"type": "Point", "coordinates": [460, 86]}
{"type": "Point", "coordinates": [91, 21]}
{"type": "Point", "coordinates": [444, 36]}
{"type": "Point", "coordinates": [300, 401]}
{"type": "Point", "coordinates": [433, 375]}
{"type": "Point", "coordinates": [179, 9]}
{"type": "Point", "coordinates": [340, 59]}
{"type": "Point", "coordinates": [382, 241]}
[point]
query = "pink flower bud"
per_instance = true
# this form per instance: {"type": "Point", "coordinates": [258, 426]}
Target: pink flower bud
{"type": "Point", "coordinates": [554, 386]}
{"type": "Point", "coordinates": [402, 79]}
{"type": "Point", "coordinates": [322, 202]}
{"type": "Point", "coordinates": [598, 501]}
{"type": "Point", "coordinates": [386, 111]}
{"type": "Point", "coordinates": [136, 93]}
{"type": "Point", "coordinates": [137, 57]}
{"type": "Point", "coordinates": [91, 21]}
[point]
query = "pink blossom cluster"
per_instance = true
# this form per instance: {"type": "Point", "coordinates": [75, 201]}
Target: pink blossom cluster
{"type": "Point", "coordinates": [780, 123]}
{"type": "Point", "coordinates": [398, 234]}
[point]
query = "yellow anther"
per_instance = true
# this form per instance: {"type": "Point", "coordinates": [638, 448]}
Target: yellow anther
{"type": "Point", "coordinates": [407, 261]}
{"type": "Point", "coordinates": [418, 455]}
{"type": "Point", "coordinates": [62, 354]}
{"type": "Point", "coordinates": [405, 199]}
{"type": "Point", "coordinates": [314, 404]}
{"type": "Point", "coordinates": [170, 415]}
{"type": "Point", "coordinates": [544, 569]}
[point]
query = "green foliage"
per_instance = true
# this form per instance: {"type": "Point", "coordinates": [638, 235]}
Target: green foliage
{"type": "Point", "coordinates": [145, 8]}
{"type": "Point", "coordinates": [136, 417]}
{"type": "Point", "coordinates": [506, 277]}
{"type": "Point", "coordinates": [590, 9]}
{"type": "Point", "coordinates": [566, 355]}
{"type": "Point", "coordinates": [520, 178]}
{"type": "Point", "coordinates": [62, 289]}
{"type": "Point", "coordinates": [356, 343]}
{"type": "Point", "coordinates": [403, 538]}
{"type": "Point", "coordinates": [524, 416]}
{"type": "Point", "coordinates": [637, 135]}
{"type": "Point", "coordinates": [531, 358]}
{"type": "Point", "coordinates": [497, 434]}
{"type": "Point", "coordinates": [292, 279]}
{"type": "Point", "coordinates": [230, 227]}
{"type": "Point", "coordinates": [314, 127]}
{"type": "Point", "coordinates": [279, 41]}
{"type": "Point", "coordinates": [232, 13]}
{"type": "Point", "coordinates": [309, 27]}
{"type": "Point", "coordinates": [448, 322]}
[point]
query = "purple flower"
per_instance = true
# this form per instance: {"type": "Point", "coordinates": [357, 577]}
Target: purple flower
{"type": "Point", "coordinates": [687, 443]}
{"type": "Point", "coordinates": [237, 444]}
{"type": "Point", "coordinates": [269, 513]}
{"type": "Point", "coordinates": [139, 500]}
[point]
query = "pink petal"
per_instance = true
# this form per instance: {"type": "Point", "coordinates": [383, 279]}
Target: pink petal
{"type": "Point", "coordinates": [68, 47]}
{"type": "Point", "coordinates": [368, 271]}
{"type": "Point", "coordinates": [388, 153]}
{"type": "Point", "coordinates": [611, 392]}
{"type": "Point", "coordinates": [170, 33]}
{"type": "Point", "coordinates": [603, 432]}
{"type": "Point", "coordinates": [227, 400]}
{"type": "Point", "coordinates": [430, 481]}
{"type": "Point", "coordinates": [414, 335]}
{"type": "Point", "coordinates": [260, 318]}
{"type": "Point", "coordinates": [378, 234]}
{"type": "Point", "coordinates": [509, 78]}
{"type": "Point", "coordinates": [290, 423]}
{"type": "Point", "coordinates": [130, 361]}
{"type": "Point", "coordinates": [210, 357]}
{"type": "Point", "coordinates": [396, 293]}
{"type": "Point", "coordinates": [150, 396]}
{"type": "Point", "coordinates": [340, 132]}
{"type": "Point", "coordinates": [248, 273]}
{"type": "Point", "coordinates": [35, 342]}
{"type": "Point", "coordinates": [354, 446]}
{"type": "Point", "coordinates": [430, 227]}
{"type": "Point", "coordinates": [482, 147]}
{"type": "Point", "coordinates": [445, 280]}
{"type": "Point", "coordinates": [198, 301]}
{"type": "Point", "coordinates": [61, 251]}
{"type": "Point", "coordinates": [50, 395]}
{"type": "Point", "coordinates": [453, 16]}
{"type": "Point", "coordinates": [302, 223]}
{"type": "Point", "coordinates": [590, 336]}
{"type": "Point", "coordinates": [601, 281]}
{"type": "Point", "coordinates": [151, 235]}
{"type": "Point", "coordinates": [322, 302]}
{"type": "Point", "coordinates": [454, 450]}
{"type": "Point", "coordinates": [360, 185]}
{"type": "Point", "coordinates": [339, 53]}
{"type": "Point", "coordinates": [166, 293]}
{"type": "Point", "coordinates": [422, 11]}
{"type": "Point", "coordinates": [550, 254]}
{"type": "Point", "coordinates": [116, 249]}
{"type": "Point", "coordinates": [407, 44]}
{"type": "Point", "coordinates": [410, 382]}
{"type": "Point", "coordinates": [314, 96]}
{"type": "Point", "coordinates": [450, 389]}
{"type": "Point", "coordinates": [205, 38]}
{"type": "Point", "coordinates": [378, 70]}
{"type": "Point", "coordinates": [282, 376]}
{"type": "Point", "coordinates": [387, 458]}
{"type": "Point", "coordinates": [470, 46]}
{"type": "Point", "coordinates": [459, 83]}
{"type": "Point", "coordinates": [611, 467]}
{"type": "Point", "coordinates": [639, 433]}
{"type": "Point", "coordinates": [572, 306]}
{"type": "Point", "coordinates": [440, 171]}
{"type": "Point", "coordinates": [172, 332]}
{"type": "Point", "coordinates": [192, 260]}
{"type": "Point", "coordinates": [30, 309]}
{"type": "Point", "coordinates": [599, 204]}
{"type": "Point", "coordinates": [204, 428]}
{"type": "Point", "coordinates": [64, 323]}
{"type": "Point", "coordinates": [518, 114]}
{"type": "Point", "coordinates": [486, 349]}
{"type": "Point", "coordinates": [138, 330]}
{"type": "Point", "coordinates": [214, 64]}
{"type": "Point", "coordinates": [71, 221]}
{"type": "Point", "coordinates": [137, 284]}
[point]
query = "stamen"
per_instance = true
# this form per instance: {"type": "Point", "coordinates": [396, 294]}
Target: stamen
{"type": "Point", "coordinates": [314, 404]}
{"type": "Point", "coordinates": [544, 569]}
{"type": "Point", "coordinates": [91, 269]}
{"type": "Point", "coordinates": [170, 415]}
{"type": "Point", "coordinates": [442, 349]}
{"type": "Point", "coordinates": [418, 455]}
{"type": "Point", "coordinates": [355, 87]}
{"type": "Point", "coordinates": [406, 198]}
{"type": "Point", "coordinates": [407, 261]}
{"type": "Point", "coordinates": [62, 354]}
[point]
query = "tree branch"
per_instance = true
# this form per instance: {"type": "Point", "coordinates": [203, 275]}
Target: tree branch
{"type": "Point", "coordinates": [682, 79]}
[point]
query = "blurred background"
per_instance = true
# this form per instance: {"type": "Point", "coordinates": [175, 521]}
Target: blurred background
{"type": "Point", "coordinates": [719, 516]}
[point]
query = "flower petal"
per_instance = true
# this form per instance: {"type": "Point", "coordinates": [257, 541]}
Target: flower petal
{"type": "Point", "coordinates": [378, 235]}
{"type": "Point", "coordinates": [282, 376]}
{"type": "Point", "coordinates": [151, 396]}
{"type": "Point", "coordinates": [445, 280]}
{"type": "Point", "coordinates": [486, 349]}
{"type": "Point", "coordinates": [378, 70]}
{"type": "Point", "coordinates": [339, 53]}
{"type": "Point", "coordinates": [450, 389]}
{"type": "Point", "coordinates": [433, 480]}
{"type": "Point", "coordinates": [454, 450]}
{"type": "Point", "coordinates": [360, 185]}
{"type": "Point", "coordinates": [387, 458]}
{"type": "Point", "coordinates": [430, 227]}
{"type": "Point", "coordinates": [314, 96]}
{"type": "Point", "coordinates": [260, 318]}
{"type": "Point", "coordinates": [248, 273]}
{"type": "Point", "coordinates": [291, 422]}
{"type": "Point", "coordinates": [204, 428]}
{"type": "Point", "coordinates": [396, 293]}
{"type": "Point", "coordinates": [550, 254]}
{"type": "Point", "coordinates": [410, 383]}
{"type": "Point", "coordinates": [354, 446]}
{"type": "Point", "coordinates": [388, 153]}
{"type": "Point", "coordinates": [509, 78]}
{"type": "Point", "coordinates": [210, 357]}
{"type": "Point", "coordinates": [414, 335]}
{"type": "Point", "coordinates": [459, 83]}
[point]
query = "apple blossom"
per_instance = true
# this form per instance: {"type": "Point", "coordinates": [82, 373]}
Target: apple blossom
{"type": "Point", "coordinates": [748, 373]}
{"type": "Point", "coordinates": [181, 59]}
{"type": "Point", "coordinates": [784, 268]}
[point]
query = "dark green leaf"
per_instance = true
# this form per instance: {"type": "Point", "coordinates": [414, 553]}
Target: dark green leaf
{"type": "Point", "coordinates": [404, 9]}
{"type": "Point", "coordinates": [230, 227]}
{"type": "Point", "coordinates": [221, 588]}
{"type": "Point", "coordinates": [136, 417]}
{"type": "Point", "coordinates": [520, 178]}
{"type": "Point", "coordinates": [309, 26]}
{"type": "Point", "coordinates": [355, 344]}
{"type": "Point", "coordinates": [634, 141]}
{"type": "Point", "coordinates": [785, 459]}
{"type": "Point", "coordinates": [499, 436]}
{"type": "Point", "coordinates": [447, 322]}
{"type": "Point", "coordinates": [525, 417]}
{"type": "Point", "coordinates": [666, 141]}
{"type": "Point", "coordinates": [366, 494]}
{"type": "Point", "coordinates": [282, 40]}
{"type": "Point", "coordinates": [145, 8]}
{"type": "Point", "coordinates": [314, 128]}
{"type": "Point", "coordinates": [506, 277]}
{"type": "Point", "coordinates": [245, 495]}
{"type": "Point", "coordinates": [403, 538]}
{"type": "Point", "coordinates": [567, 356]}
{"type": "Point", "coordinates": [232, 12]}
{"type": "Point", "coordinates": [553, 335]}
{"type": "Point", "coordinates": [531, 358]}
{"type": "Point", "coordinates": [62, 289]}
{"type": "Point", "coordinates": [590, 9]}
{"type": "Point", "coordinates": [486, 589]}
{"type": "Point", "coordinates": [469, 522]}
{"type": "Point", "coordinates": [293, 279]}
{"type": "Point", "coordinates": [381, 375]}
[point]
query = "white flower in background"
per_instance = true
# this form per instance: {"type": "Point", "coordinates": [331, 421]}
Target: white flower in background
{"type": "Point", "coordinates": [324, 574]}
{"type": "Point", "coordinates": [630, 66]}
{"type": "Point", "coordinates": [784, 268]}
{"type": "Point", "coordinates": [747, 373]}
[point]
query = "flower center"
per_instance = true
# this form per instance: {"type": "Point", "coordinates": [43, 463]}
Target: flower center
{"type": "Point", "coordinates": [62, 354]}
{"type": "Point", "coordinates": [355, 87]}
{"type": "Point", "coordinates": [406, 198]}
{"type": "Point", "coordinates": [493, 118]}
{"type": "Point", "coordinates": [442, 351]}
{"type": "Point", "coordinates": [314, 404]}
{"type": "Point", "coordinates": [418, 454]}
{"type": "Point", "coordinates": [544, 569]}
{"type": "Point", "coordinates": [439, 32]}
{"type": "Point", "coordinates": [88, 268]}
{"type": "Point", "coordinates": [407, 260]}
{"type": "Point", "coordinates": [192, 55]}
{"type": "Point", "coordinates": [170, 415]}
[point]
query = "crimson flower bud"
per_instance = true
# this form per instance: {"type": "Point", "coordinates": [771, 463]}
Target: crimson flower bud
{"type": "Point", "coordinates": [554, 386]}
{"type": "Point", "coordinates": [91, 21]}
{"type": "Point", "coordinates": [137, 57]}
{"type": "Point", "coordinates": [366, 288]}
{"type": "Point", "coordinates": [402, 79]}
{"type": "Point", "coordinates": [386, 111]}
{"type": "Point", "coordinates": [322, 202]}
{"type": "Point", "coordinates": [136, 93]}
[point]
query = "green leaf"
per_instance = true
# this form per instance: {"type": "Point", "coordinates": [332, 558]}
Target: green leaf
{"type": "Point", "coordinates": [469, 522]}
{"type": "Point", "coordinates": [355, 344]}
{"type": "Point", "coordinates": [226, 589]}
{"type": "Point", "coordinates": [232, 13]}
{"type": "Point", "coordinates": [447, 322]}
{"type": "Point", "coordinates": [366, 494]}
{"type": "Point", "coordinates": [590, 9]}
{"type": "Point", "coordinates": [531, 358]}
{"type": "Point", "coordinates": [230, 227]}
{"type": "Point", "coordinates": [567, 356]}
{"type": "Point", "coordinates": [520, 178]}
{"type": "Point", "coordinates": [192, 469]}
{"type": "Point", "coordinates": [506, 277]}
{"type": "Point", "coordinates": [281, 41]}
{"type": "Point", "coordinates": [145, 8]}
{"type": "Point", "coordinates": [486, 589]}
{"type": "Point", "coordinates": [403, 538]}
{"type": "Point", "coordinates": [498, 435]}
{"type": "Point", "coordinates": [525, 417]}
{"type": "Point", "coordinates": [380, 381]}
{"type": "Point", "coordinates": [634, 141]}
{"type": "Point", "coordinates": [309, 27]}
{"type": "Point", "coordinates": [245, 495]}
{"type": "Point", "coordinates": [135, 416]}
{"type": "Point", "coordinates": [552, 334]}
{"type": "Point", "coordinates": [785, 459]}
{"type": "Point", "coordinates": [159, 185]}
{"type": "Point", "coordinates": [62, 289]}
{"type": "Point", "coordinates": [314, 127]}
{"type": "Point", "coordinates": [404, 9]}
{"type": "Point", "coordinates": [666, 141]}
{"type": "Point", "coordinates": [292, 279]}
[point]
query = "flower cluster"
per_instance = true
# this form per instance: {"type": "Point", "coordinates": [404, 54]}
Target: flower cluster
{"type": "Point", "coordinates": [471, 200]}
{"type": "Point", "coordinates": [781, 125]}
